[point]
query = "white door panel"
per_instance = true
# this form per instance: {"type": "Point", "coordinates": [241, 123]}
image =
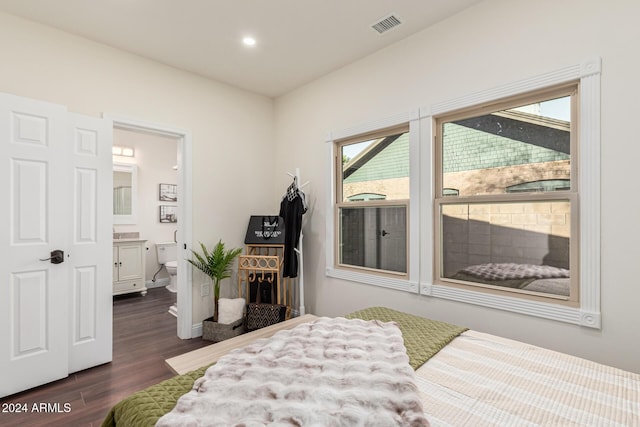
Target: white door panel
{"type": "Point", "coordinates": [91, 246]}
{"type": "Point", "coordinates": [33, 293]}
{"type": "Point", "coordinates": [55, 318]}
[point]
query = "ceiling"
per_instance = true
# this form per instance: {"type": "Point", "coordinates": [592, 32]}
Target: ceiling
{"type": "Point", "coordinates": [297, 41]}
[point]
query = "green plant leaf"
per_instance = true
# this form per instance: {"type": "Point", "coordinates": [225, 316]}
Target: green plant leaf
{"type": "Point", "coordinates": [217, 263]}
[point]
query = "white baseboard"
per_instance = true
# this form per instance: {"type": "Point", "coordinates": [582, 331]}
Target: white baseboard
{"type": "Point", "coordinates": [159, 283]}
{"type": "Point", "coordinates": [196, 330]}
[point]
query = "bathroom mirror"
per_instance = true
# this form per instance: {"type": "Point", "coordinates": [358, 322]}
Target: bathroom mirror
{"type": "Point", "coordinates": [125, 183]}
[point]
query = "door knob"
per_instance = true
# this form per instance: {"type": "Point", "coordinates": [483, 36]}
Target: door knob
{"type": "Point", "coordinates": [383, 233]}
{"type": "Point", "coordinates": [57, 257]}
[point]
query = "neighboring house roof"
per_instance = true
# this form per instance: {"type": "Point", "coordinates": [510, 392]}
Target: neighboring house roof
{"type": "Point", "coordinates": [384, 158]}
{"type": "Point", "coordinates": [503, 139]}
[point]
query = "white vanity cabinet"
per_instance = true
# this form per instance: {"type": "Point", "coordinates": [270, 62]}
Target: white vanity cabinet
{"type": "Point", "coordinates": [129, 266]}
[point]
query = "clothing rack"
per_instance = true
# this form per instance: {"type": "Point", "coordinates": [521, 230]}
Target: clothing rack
{"type": "Point", "coordinates": [298, 250]}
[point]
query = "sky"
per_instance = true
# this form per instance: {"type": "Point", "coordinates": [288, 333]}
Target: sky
{"type": "Point", "coordinates": [557, 108]}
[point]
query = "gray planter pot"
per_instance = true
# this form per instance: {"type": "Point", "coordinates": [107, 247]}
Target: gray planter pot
{"type": "Point", "coordinates": [214, 331]}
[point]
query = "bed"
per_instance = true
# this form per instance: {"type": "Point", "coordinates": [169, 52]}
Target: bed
{"type": "Point", "coordinates": [463, 378]}
{"type": "Point", "coordinates": [535, 278]}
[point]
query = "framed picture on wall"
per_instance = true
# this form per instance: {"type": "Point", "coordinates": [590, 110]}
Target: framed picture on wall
{"type": "Point", "coordinates": [168, 213]}
{"type": "Point", "coordinates": [168, 193]}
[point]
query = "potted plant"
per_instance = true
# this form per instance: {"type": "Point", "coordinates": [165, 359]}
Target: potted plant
{"type": "Point", "coordinates": [216, 264]}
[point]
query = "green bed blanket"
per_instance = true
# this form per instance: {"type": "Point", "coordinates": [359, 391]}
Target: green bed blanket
{"type": "Point", "coordinates": [423, 338]}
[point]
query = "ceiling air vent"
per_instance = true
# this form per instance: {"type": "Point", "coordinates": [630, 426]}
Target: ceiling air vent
{"type": "Point", "coordinates": [386, 23]}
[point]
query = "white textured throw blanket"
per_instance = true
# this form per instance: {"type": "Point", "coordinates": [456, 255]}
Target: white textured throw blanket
{"type": "Point", "coordinates": [329, 372]}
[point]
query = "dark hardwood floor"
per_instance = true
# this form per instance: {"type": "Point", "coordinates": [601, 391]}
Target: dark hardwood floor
{"type": "Point", "coordinates": [144, 335]}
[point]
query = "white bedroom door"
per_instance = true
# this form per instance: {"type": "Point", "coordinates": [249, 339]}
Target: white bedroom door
{"type": "Point", "coordinates": [90, 248]}
{"type": "Point", "coordinates": [43, 203]}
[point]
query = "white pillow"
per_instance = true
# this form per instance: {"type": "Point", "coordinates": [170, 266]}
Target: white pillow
{"type": "Point", "coordinates": [230, 310]}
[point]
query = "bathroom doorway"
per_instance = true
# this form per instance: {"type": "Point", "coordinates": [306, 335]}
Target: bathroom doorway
{"type": "Point", "coordinates": [167, 210]}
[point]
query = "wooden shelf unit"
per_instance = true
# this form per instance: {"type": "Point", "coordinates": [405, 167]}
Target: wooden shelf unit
{"type": "Point", "coordinates": [284, 289]}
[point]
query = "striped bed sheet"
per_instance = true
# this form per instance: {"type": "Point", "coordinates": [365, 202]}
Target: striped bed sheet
{"type": "Point", "coordinates": [483, 380]}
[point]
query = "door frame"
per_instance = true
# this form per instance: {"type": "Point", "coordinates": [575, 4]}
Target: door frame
{"type": "Point", "coordinates": [184, 208]}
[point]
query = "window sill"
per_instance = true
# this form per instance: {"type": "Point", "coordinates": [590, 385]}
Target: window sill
{"type": "Point", "coordinates": [544, 310]}
{"type": "Point", "coordinates": [374, 279]}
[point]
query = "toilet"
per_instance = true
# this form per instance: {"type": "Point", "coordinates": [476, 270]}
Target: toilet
{"type": "Point", "coordinates": [167, 256]}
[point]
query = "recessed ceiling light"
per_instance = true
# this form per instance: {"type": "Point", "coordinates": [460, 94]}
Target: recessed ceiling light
{"type": "Point", "coordinates": [249, 41]}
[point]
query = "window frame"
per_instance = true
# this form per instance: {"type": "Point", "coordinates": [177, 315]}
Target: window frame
{"type": "Point", "coordinates": [396, 280]}
{"type": "Point", "coordinates": [570, 195]}
{"type": "Point", "coordinates": [421, 208]}
{"type": "Point", "coordinates": [587, 311]}
{"type": "Point", "coordinates": [340, 203]}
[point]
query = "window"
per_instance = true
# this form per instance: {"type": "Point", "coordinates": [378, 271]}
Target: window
{"type": "Point", "coordinates": [544, 185]}
{"type": "Point", "coordinates": [366, 196]}
{"type": "Point", "coordinates": [372, 201]}
{"type": "Point", "coordinates": [499, 204]}
{"type": "Point", "coordinates": [512, 226]}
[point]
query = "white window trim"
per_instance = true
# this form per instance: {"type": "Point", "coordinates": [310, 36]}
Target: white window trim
{"type": "Point", "coordinates": [588, 314]}
{"type": "Point", "coordinates": [410, 284]}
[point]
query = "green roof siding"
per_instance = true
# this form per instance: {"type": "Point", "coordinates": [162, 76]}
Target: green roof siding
{"type": "Point", "coordinates": [470, 149]}
{"type": "Point", "coordinates": [391, 162]}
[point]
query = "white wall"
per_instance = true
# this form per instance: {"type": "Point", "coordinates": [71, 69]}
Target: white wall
{"type": "Point", "coordinates": [89, 78]}
{"type": "Point", "coordinates": [494, 43]}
